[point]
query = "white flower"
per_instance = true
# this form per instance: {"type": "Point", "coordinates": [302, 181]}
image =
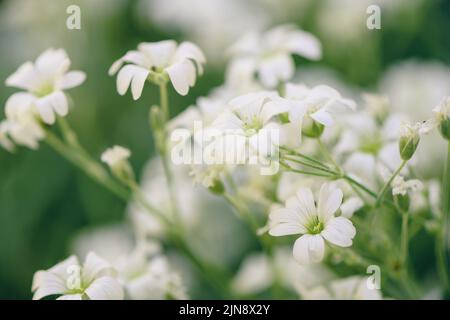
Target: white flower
{"type": "Point", "coordinates": [94, 280]}
{"type": "Point", "coordinates": [271, 52]}
{"type": "Point", "coordinates": [21, 124]}
{"type": "Point", "coordinates": [253, 115]}
{"type": "Point", "coordinates": [402, 187]}
{"type": "Point", "coordinates": [301, 216]}
{"type": "Point", "coordinates": [377, 106]}
{"type": "Point", "coordinates": [351, 288]}
{"type": "Point", "coordinates": [149, 278]}
{"type": "Point", "coordinates": [115, 155]}
{"type": "Point", "coordinates": [319, 103]}
{"type": "Point", "coordinates": [180, 63]}
{"type": "Point", "coordinates": [45, 80]}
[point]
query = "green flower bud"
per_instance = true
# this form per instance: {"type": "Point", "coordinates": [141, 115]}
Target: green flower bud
{"type": "Point", "coordinates": [409, 140]}
{"type": "Point", "coordinates": [442, 117]}
{"type": "Point", "coordinates": [217, 188]}
{"type": "Point", "coordinates": [312, 128]}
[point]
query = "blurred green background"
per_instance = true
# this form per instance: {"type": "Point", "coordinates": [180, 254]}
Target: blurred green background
{"type": "Point", "coordinates": [45, 202]}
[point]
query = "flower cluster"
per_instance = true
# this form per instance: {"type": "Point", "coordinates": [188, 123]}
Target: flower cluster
{"type": "Point", "coordinates": [288, 158]}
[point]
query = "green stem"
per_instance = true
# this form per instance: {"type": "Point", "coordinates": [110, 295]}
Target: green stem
{"type": "Point", "coordinates": [388, 183]}
{"type": "Point", "coordinates": [404, 240]}
{"type": "Point", "coordinates": [442, 237]}
{"type": "Point", "coordinates": [361, 186]}
{"type": "Point", "coordinates": [313, 166]}
{"type": "Point", "coordinates": [301, 155]}
{"type": "Point", "coordinates": [94, 170]}
{"type": "Point", "coordinates": [317, 174]}
{"type": "Point", "coordinates": [164, 101]}
{"type": "Point", "coordinates": [327, 153]}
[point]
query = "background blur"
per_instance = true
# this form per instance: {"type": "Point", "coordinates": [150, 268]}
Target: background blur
{"type": "Point", "coordinates": [45, 202]}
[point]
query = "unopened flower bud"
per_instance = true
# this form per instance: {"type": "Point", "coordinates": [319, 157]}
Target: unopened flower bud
{"type": "Point", "coordinates": [217, 187]}
{"type": "Point", "coordinates": [442, 117]}
{"type": "Point", "coordinates": [410, 137]}
{"type": "Point", "coordinates": [312, 128]}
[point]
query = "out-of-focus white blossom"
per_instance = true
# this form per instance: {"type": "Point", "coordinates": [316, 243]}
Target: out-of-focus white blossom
{"type": "Point", "coordinates": [149, 278]}
{"type": "Point", "coordinates": [45, 80]}
{"type": "Point", "coordinates": [22, 124]}
{"type": "Point", "coordinates": [271, 52]}
{"type": "Point", "coordinates": [402, 187]}
{"type": "Point", "coordinates": [161, 60]}
{"type": "Point", "coordinates": [94, 280]}
{"type": "Point", "coordinates": [115, 155]}
{"type": "Point", "coordinates": [318, 103]}
{"type": "Point", "coordinates": [316, 224]}
{"type": "Point", "coordinates": [351, 288]}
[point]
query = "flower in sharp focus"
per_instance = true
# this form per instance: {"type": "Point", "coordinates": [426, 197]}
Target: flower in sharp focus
{"type": "Point", "coordinates": [159, 61]}
{"type": "Point", "coordinates": [252, 115]}
{"type": "Point", "coordinates": [315, 223]}
{"type": "Point", "coordinates": [94, 280]}
{"type": "Point", "coordinates": [313, 107]}
{"type": "Point", "coordinates": [45, 80]}
{"type": "Point", "coordinates": [270, 53]}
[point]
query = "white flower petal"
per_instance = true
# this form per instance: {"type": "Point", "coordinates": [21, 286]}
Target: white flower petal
{"type": "Point", "coordinates": [304, 44]}
{"type": "Point", "coordinates": [309, 249]}
{"type": "Point", "coordinates": [159, 54]}
{"type": "Point", "coordinates": [188, 50]}
{"type": "Point", "coordinates": [305, 204]}
{"type": "Point", "coordinates": [52, 62]}
{"type": "Point", "coordinates": [105, 288]}
{"type": "Point", "coordinates": [339, 231]}
{"type": "Point", "coordinates": [23, 78]}
{"type": "Point", "coordinates": [48, 283]}
{"type": "Point", "coordinates": [181, 75]}
{"type": "Point", "coordinates": [275, 69]}
{"type": "Point", "coordinates": [323, 116]}
{"type": "Point", "coordinates": [95, 266]}
{"type": "Point", "coordinates": [71, 79]}
{"type": "Point", "coordinates": [330, 199]}
{"type": "Point", "coordinates": [44, 107]}
{"type": "Point", "coordinates": [17, 104]}
{"type": "Point", "coordinates": [285, 222]}
{"type": "Point", "coordinates": [59, 103]}
{"type": "Point", "coordinates": [126, 75]}
{"type": "Point", "coordinates": [137, 84]}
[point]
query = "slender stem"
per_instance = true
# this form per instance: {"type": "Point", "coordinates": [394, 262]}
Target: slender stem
{"type": "Point", "coordinates": [388, 183]}
{"type": "Point", "coordinates": [317, 174]}
{"type": "Point", "coordinates": [442, 237]}
{"type": "Point", "coordinates": [327, 153]}
{"type": "Point", "coordinates": [361, 186]}
{"type": "Point", "coordinates": [301, 155]}
{"type": "Point", "coordinates": [404, 240]}
{"type": "Point", "coordinates": [164, 101]}
{"type": "Point", "coordinates": [290, 158]}
{"type": "Point", "coordinates": [91, 168]}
